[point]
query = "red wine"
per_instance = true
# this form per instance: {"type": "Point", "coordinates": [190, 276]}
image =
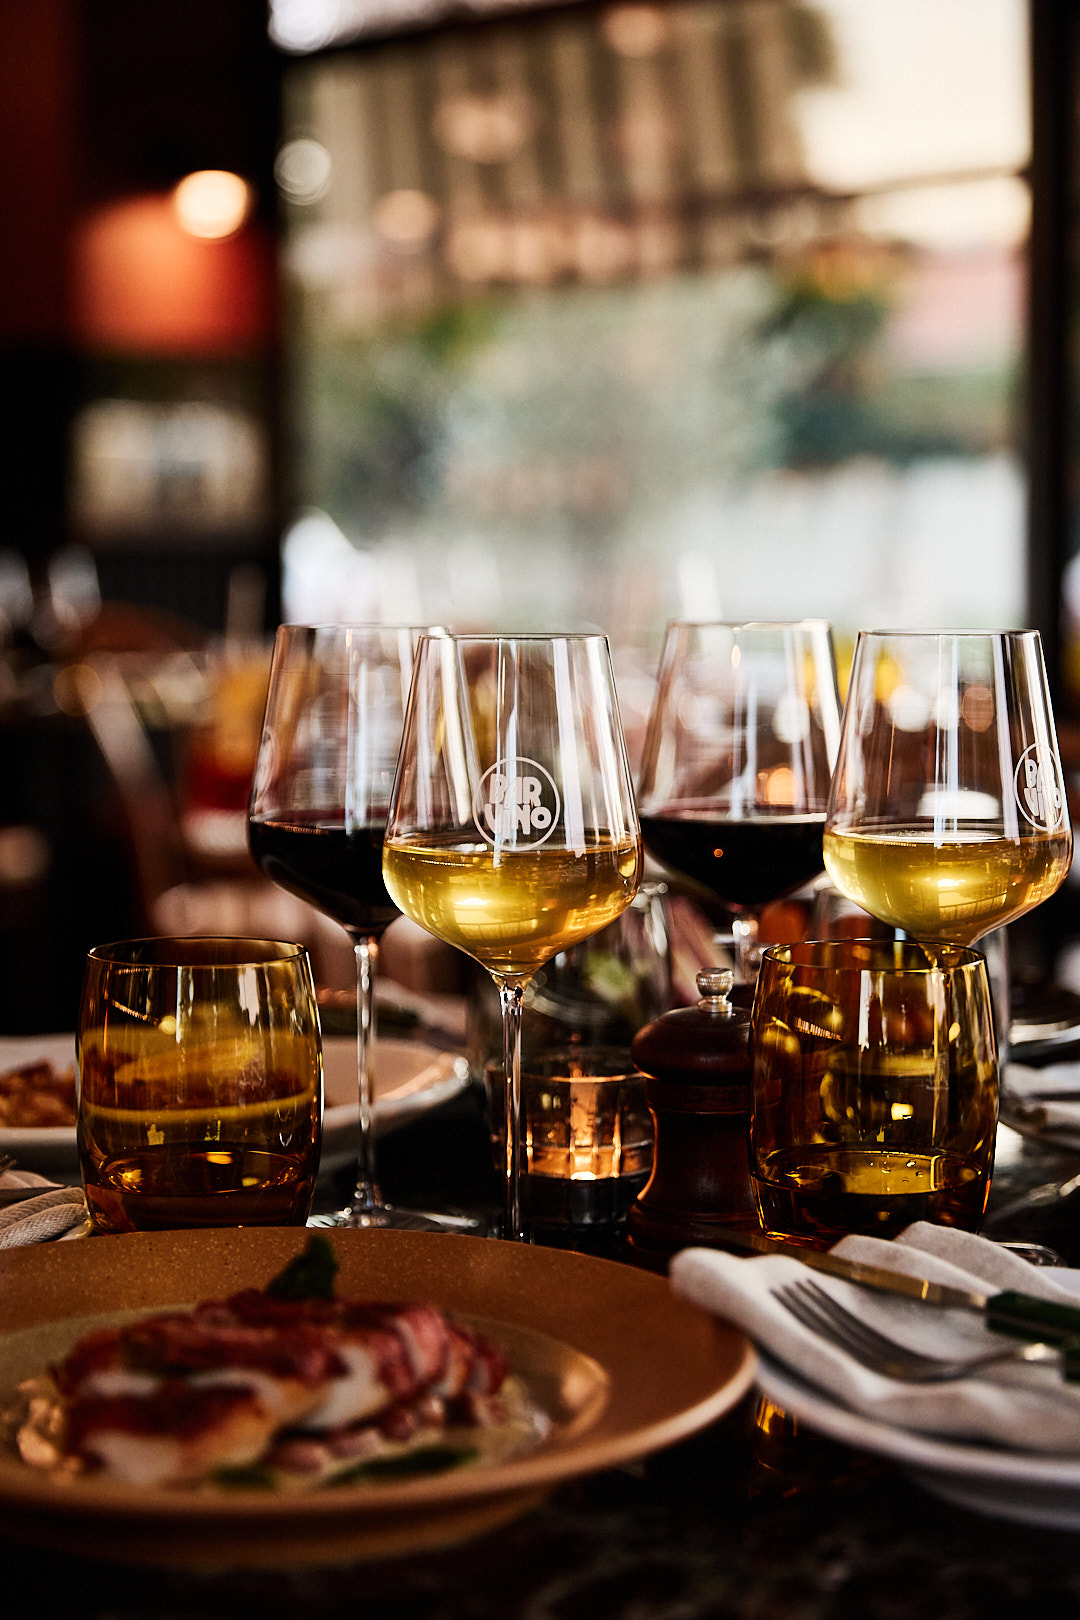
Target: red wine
{"type": "Point", "coordinates": [742, 863]}
{"type": "Point", "coordinates": [338, 872]}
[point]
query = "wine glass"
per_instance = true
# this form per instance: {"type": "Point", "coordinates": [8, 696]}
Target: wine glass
{"type": "Point", "coordinates": [321, 786]}
{"type": "Point", "coordinates": [738, 756]}
{"type": "Point", "coordinates": [947, 816]}
{"type": "Point", "coordinates": [512, 831]}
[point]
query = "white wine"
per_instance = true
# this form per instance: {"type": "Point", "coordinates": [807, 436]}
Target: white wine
{"type": "Point", "coordinates": [819, 1193]}
{"type": "Point", "coordinates": [517, 914]}
{"type": "Point", "coordinates": [954, 890]}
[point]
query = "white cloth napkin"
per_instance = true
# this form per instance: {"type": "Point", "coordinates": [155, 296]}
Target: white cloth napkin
{"type": "Point", "coordinates": [1048, 1099]}
{"type": "Point", "coordinates": [16, 1181]}
{"type": "Point", "coordinates": [1019, 1406]}
{"type": "Point", "coordinates": [56, 1213]}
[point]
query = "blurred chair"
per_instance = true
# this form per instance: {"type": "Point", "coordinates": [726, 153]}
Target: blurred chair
{"type": "Point", "coordinates": [103, 696]}
{"type": "Point", "coordinates": [186, 890]}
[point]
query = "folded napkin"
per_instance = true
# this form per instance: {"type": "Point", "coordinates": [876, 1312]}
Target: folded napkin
{"type": "Point", "coordinates": [1025, 1407]}
{"type": "Point", "coordinates": [53, 1214]}
{"type": "Point", "coordinates": [1048, 1099]}
{"type": "Point", "coordinates": [14, 1183]}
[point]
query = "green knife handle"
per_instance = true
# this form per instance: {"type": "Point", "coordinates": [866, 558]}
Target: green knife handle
{"type": "Point", "coordinates": [1027, 1318]}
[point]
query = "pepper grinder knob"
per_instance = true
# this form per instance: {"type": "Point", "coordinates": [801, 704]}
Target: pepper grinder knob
{"type": "Point", "coordinates": [715, 985]}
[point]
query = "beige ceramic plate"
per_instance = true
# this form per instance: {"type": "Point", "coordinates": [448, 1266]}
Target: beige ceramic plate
{"type": "Point", "coordinates": [622, 1365]}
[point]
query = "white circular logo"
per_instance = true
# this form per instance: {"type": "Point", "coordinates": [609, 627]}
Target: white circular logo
{"type": "Point", "coordinates": [516, 803]}
{"type": "Point", "coordinates": [1037, 786]}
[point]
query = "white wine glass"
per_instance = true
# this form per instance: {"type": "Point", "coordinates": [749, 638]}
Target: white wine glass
{"type": "Point", "coordinates": [512, 832]}
{"type": "Point", "coordinates": [320, 791]}
{"type": "Point", "coordinates": [738, 757]}
{"type": "Point", "coordinates": [947, 816]}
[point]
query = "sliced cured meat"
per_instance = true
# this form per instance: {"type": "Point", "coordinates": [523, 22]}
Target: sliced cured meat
{"type": "Point", "coordinates": [174, 1397]}
{"type": "Point", "coordinates": [172, 1436]}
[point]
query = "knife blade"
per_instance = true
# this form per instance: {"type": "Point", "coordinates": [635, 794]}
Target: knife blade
{"type": "Point", "coordinates": [1022, 1316]}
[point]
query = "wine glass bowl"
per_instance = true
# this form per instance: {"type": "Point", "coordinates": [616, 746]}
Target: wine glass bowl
{"type": "Point", "coordinates": [512, 832]}
{"type": "Point", "coordinates": [948, 817]}
{"type": "Point", "coordinates": [738, 757]}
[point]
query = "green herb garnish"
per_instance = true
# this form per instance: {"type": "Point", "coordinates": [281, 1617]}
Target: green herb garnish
{"type": "Point", "coordinates": [425, 1460]}
{"type": "Point", "coordinates": [309, 1275]}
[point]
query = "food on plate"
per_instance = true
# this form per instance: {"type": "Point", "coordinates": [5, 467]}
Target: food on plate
{"type": "Point", "coordinates": [37, 1095]}
{"type": "Point", "coordinates": [285, 1386]}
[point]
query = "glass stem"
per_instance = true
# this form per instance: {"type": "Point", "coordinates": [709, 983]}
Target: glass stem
{"type": "Point", "coordinates": [367, 1199]}
{"type": "Point", "coordinates": [511, 996]}
{"type": "Point", "coordinates": [747, 949]}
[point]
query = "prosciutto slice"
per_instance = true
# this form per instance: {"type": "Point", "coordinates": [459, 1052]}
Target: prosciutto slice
{"type": "Point", "coordinates": [175, 1397]}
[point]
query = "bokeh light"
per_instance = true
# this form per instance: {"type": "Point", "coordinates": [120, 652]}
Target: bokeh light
{"type": "Point", "coordinates": [212, 203]}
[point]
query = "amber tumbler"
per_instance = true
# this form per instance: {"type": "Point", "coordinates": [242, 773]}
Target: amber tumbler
{"type": "Point", "coordinates": [199, 1078]}
{"type": "Point", "coordinates": [874, 1088]}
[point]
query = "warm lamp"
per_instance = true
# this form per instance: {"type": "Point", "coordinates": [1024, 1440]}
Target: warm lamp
{"type": "Point", "coordinates": [212, 203]}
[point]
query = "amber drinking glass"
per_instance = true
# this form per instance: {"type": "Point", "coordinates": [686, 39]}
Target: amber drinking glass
{"type": "Point", "coordinates": [874, 1089]}
{"type": "Point", "coordinates": [199, 1073]}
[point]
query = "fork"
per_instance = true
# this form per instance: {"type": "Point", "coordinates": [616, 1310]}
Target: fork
{"type": "Point", "coordinates": [817, 1310]}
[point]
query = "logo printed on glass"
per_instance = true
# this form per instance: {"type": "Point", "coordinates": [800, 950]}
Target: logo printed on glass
{"type": "Point", "coordinates": [1038, 789]}
{"type": "Point", "coordinates": [516, 803]}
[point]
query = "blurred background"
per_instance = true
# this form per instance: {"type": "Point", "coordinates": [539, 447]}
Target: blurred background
{"type": "Point", "coordinates": [507, 316]}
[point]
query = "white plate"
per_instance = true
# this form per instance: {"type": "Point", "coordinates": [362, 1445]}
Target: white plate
{"type": "Point", "coordinates": [1030, 1487]}
{"type": "Point", "coordinates": [47, 1149]}
{"type": "Point", "coordinates": [409, 1077]}
{"type": "Point", "coordinates": [1013, 1112]}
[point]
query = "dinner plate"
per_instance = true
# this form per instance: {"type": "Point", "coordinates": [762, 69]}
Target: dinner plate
{"type": "Point", "coordinates": [1068, 1141]}
{"type": "Point", "coordinates": [1014, 1112]}
{"type": "Point", "coordinates": [47, 1149]}
{"type": "Point", "coordinates": [1028, 1487]}
{"type": "Point", "coordinates": [622, 1366]}
{"type": "Point", "coordinates": [409, 1077]}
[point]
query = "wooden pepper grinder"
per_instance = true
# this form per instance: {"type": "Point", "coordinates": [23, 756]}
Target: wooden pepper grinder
{"type": "Point", "coordinates": [697, 1081]}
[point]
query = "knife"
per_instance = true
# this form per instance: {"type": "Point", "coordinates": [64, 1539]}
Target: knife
{"type": "Point", "coordinates": [1023, 1316]}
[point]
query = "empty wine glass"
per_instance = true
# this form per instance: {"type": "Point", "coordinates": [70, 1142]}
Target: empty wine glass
{"type": "Point", "coordinates": [512, 832]}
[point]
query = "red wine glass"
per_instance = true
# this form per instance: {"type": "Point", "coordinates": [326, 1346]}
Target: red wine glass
{"type": "Point", "coordinates": [738, 756]}
{"type": "Point", "coordinates": [320, 792]}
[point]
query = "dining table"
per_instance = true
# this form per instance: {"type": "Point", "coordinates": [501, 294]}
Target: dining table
{"type": "Point", "coordinates": [755, 1517]}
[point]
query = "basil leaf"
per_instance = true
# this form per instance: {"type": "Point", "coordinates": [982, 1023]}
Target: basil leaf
{"type": "Point", "coordinates": [309, 1275]}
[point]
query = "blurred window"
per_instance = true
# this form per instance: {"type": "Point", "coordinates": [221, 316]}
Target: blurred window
{"type": "Point", "coordinates": [617, 314]}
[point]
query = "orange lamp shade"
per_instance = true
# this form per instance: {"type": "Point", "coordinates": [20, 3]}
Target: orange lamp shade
{"type": "Point", "coordinates": [143, 285]}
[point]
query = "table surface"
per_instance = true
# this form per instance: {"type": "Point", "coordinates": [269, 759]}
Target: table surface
{"type": "Point", "coordinates": [754, 1518]}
